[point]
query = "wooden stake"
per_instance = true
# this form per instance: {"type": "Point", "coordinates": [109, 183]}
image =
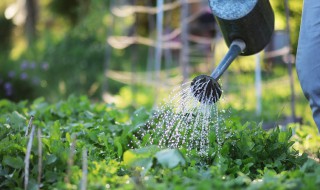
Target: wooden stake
{"type": "Point", "coordinates": [84, 169]}
{"type": "Point", "coordinates": [29, 125]}
{"type": "Point", "coordinates": [70, 159]}
{"type": "Point", "coordinates": [39, 157]}
{"type": "Point", "coordinates": [27, 158]}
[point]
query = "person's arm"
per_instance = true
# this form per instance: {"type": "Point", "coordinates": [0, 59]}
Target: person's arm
{"type": "Point", "coordinates": [308, 56]}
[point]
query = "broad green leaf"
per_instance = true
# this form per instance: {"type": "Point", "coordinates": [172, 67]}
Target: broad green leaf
{"type": "Point", "coordinates": [170, 158]}
{"type": "Point", "coordinates": [141, 159]}
{"type": "Point", "coordinates": [138, 119]}
{"type": "Point", "coordinates": [50, 159]}
{"type": "Point", "coordinates": [17, 120]}
{"type": "Point", "coordinates": [238, 162]}
{"type": "Point", "coordinates": [149, 150]}
{"type": "Point", "coordinates": [51, 176]}
{"type": "Point", "coordinates": [32, 184]}
{"type": "Point", "coordinates": [14, 162]}
{"type": "Point", "coordinates": [144, 163]}
{"type": "Point", "coordinates": [89, 115]}
{"type": "Point", "coordinates": [134, 155]}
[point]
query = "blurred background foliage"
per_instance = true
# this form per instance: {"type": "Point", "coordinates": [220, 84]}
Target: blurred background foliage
{"type": "Point", "coordinates": [67, 53]}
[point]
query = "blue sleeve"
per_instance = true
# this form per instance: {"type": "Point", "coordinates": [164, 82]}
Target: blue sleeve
{"type": "Point", "coordinates": [308, 56]}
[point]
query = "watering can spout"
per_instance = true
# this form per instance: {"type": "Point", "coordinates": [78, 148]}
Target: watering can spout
{"type": "Point", "coordinates": [237, 47]}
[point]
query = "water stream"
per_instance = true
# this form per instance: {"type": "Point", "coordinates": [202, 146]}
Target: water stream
{"type": "Point", "coordinates": [183, 122]}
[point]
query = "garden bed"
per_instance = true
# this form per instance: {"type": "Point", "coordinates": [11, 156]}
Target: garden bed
{"type": "Point", "coordinates": [76, 144]}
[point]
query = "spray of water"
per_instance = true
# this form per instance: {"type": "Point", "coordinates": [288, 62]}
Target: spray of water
{"type": "Point", "coordinates": [182, 122]}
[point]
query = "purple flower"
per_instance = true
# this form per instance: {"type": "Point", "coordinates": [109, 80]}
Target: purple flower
{"type": "Point", "coordinates": [33, 65]}
{"type": "Point", "coordinates": [24, 76]}
{"type": "Point", "coordinates": [7, 85]}
{"type": "Point", "coordinates": [8, 88]}
{"type": "Point", "coordinates": [45, 66]}
{"type": "Point", "coordinates": [11, 74]}
{"type": "Point", "coordinates": [24, 65]}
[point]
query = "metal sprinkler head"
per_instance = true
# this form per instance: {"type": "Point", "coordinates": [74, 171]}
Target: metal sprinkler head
{"type": "Point", "coordinates": [206, 89]}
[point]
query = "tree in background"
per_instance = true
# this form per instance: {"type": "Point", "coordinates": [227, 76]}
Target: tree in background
{"type": "Point", "coordinates": [31, 19]}
{"type": "Point", "coordinates": [73, 10]}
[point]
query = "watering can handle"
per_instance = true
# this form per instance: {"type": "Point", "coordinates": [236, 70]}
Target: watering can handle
{"type": "Point", "coordinates": [249, 20]}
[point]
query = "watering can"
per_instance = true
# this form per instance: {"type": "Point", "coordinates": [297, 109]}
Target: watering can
{"type": "Point", "coordinates": [247, 27]}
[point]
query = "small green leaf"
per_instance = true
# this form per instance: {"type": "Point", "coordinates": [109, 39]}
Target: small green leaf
{"type": "Point", "coordinates": [140, 158]}
{"type": "Point", "coordinates": [139, 119]}
{"type": "Point", "coordinates": [144, 163]}
{"type": "Point", "coordinates": [89, 115]}
{"type": "Point", "coordinates": [50, 159]}
{"type": "Point", "coordinates": [170, 158]}
{"type": "Point", "coordinates": [16, 120]}
{"type": "Point", "coordinates": [14, 162]}
{"type": "Point", "coordinates": [51, 176]}
{"type": "Point", "coordinates": [68, 137]}
{"type": "Point", "coordinates": [238, 162]}
{"type": "Point", "coordinates": [117, 143]}
{"type": "Point", "coordinates": [32, 184]}
{"type": "Point", "coordinates": [55, 131]}
{"type": "Point", "coordinates": [133, 155]}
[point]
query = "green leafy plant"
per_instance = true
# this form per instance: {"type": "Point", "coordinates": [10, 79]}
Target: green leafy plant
{"type": "Point", "coordinates": [247, 158]}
